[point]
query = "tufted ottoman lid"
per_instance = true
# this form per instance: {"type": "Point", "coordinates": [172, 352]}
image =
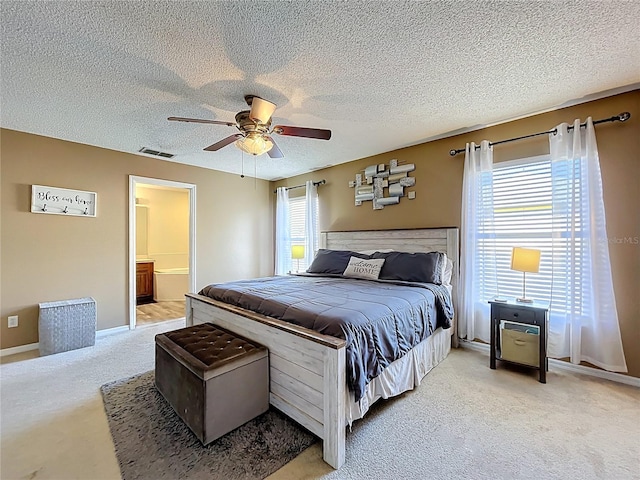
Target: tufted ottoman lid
{"type": "Point", "coordinates": [208, 350]}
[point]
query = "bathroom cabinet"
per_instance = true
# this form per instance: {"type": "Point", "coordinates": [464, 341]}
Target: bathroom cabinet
{"type": "Point", "coordinates": [144, 282]}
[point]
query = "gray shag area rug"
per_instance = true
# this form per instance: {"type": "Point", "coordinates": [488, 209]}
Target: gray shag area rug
{"type": "Point", "coordinates": [152, 442]}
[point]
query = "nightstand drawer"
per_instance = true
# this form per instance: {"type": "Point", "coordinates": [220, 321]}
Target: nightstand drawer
{"type": "Point", "coordinates": [516, 314]}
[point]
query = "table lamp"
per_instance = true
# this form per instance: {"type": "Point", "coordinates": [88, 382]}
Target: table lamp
{"type": "Point", "coordinates": [297, 252]}
{"type": "Point", "coordinates": [525, 260]}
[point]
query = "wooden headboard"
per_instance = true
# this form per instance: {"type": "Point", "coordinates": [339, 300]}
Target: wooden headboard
{"type": "Point", "coordinates": [411, 240]}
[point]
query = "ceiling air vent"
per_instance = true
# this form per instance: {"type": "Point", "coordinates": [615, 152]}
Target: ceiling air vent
{"type": "Point", "coordinates": [156, 153]}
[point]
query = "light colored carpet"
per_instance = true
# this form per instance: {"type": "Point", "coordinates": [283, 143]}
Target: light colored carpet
{"type": "Point", "coordinates": [52, 419]}
{"type": "Point", "coordinates": [470, 422]}
{"type": "Point", "coordinates": [465, 421]}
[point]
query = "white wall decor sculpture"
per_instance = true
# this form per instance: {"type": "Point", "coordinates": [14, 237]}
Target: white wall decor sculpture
{"type": "Point", "coordinates": [376, 178]}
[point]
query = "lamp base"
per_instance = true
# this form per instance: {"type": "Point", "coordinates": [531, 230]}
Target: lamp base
{"type": "Point", "coordinates": [524, 300]}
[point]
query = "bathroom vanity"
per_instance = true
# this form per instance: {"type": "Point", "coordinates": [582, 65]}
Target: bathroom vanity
{"type": "Point", "coordinates": [144, 281]}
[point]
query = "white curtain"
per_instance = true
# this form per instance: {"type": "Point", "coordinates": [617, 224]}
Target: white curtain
{"type": "Point", "coordinates": [474, 320]}
{"type": "Point", "coordinates": [283, 232]}
{"type": "Point", "coordinates": [311, 219]}
{"type": "Point", "coordinates": [588, 329]}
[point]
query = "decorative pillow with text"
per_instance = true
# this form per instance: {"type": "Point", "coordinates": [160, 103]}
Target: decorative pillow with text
{"type": "Point", "coordinates": [363, 268]}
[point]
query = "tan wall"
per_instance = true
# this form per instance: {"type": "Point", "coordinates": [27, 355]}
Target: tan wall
{"type": "Point", "coordinates": [439, 191]}
{"type": "Point", "coordinates": [168, 221]}
{"type": "Point", "coordinates": [52, 257]}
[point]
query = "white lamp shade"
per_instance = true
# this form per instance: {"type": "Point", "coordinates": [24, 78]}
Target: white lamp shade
{"type": "Point", "coordinates": [525, 260]}
{"type": "Point", "coordinates": [297, 252]}
{"type": "Point", "coordinates": [261, 110]}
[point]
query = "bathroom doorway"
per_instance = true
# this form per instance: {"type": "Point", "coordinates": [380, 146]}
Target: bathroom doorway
{"type": "Point", "coordinates": [161, 249]}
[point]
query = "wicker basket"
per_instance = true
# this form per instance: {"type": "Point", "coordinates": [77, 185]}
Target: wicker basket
{"type": "Point", "coordinates": [67, 325]}
{"type": "Point", "coordinates": [520, 343]}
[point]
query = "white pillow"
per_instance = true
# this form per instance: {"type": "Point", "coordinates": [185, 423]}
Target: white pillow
{"type": "Point", "coordinates": [363, 268]}
{"type": "Point", "coordinates": [448, 272]}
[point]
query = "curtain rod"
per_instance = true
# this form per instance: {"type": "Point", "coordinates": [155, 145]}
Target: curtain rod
{"type": "Point", "coordinates": [623, 117]}
{"type": "Point", "coordinates": [319, 182]}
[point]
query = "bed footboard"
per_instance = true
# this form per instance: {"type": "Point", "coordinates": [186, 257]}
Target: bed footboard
{"type": "Point", "coordinates": [306, 369]}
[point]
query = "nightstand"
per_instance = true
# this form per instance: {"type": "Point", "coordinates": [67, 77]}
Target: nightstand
{"type": "Point", "coordinates": [519, 335]}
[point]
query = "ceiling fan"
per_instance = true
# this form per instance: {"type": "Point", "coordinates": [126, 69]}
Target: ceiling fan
{"type": "Point", "coordinates": [255, 129]}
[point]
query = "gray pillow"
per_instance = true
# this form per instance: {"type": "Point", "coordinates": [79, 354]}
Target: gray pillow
{"type": "Point", "coordinates": [333, 261]}
{"type": "Point", "coordinates": [412, 267]}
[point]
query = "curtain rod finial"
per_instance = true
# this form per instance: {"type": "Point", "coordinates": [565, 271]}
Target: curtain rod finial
{"type": "Point", "coordinates": [453, 152]}
{"type": "Point", "coordinates": [624, 116]}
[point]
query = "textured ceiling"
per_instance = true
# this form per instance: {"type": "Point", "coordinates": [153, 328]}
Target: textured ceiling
{"type": "Point", "coordinates": [380, 75]}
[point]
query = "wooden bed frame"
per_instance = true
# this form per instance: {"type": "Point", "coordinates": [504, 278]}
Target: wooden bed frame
{"type": "Point", "coordinates": [307, 369]}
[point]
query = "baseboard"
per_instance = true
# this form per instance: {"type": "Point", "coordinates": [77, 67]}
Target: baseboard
{"type": "Point", "coordinates": [582, 369]}
{"type": "Point", "coordinates": [19, 349]}
{"type": "Point", "coordinates": [111, 331]}
{"type": "Point", "coordinates": [155, 324]}
{"type": "Point", "coordinates": [35, 346]}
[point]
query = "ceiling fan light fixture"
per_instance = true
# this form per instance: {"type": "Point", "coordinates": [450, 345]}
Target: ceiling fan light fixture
{"type": "Point", "coordinates": [254, 129]}
{"type": "Point", "coordinates": [254, 143]}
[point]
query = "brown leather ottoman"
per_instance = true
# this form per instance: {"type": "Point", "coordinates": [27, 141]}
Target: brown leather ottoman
{"type": "Point", "coordinates": [213, 379]}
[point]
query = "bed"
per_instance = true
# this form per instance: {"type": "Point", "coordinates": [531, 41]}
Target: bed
{"type": "Point", "coordinates": [308, 370]}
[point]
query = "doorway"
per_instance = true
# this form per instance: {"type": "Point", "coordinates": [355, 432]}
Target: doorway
{"type": "Point", "coordinates": [160, 270]}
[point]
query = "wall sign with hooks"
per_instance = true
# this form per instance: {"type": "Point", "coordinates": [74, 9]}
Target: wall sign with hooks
{"type": "Point", "coordinates": [62, 201]}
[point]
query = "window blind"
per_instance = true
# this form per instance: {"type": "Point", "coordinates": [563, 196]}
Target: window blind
{"type": "Point", "coordinates": [297, 218]}
{"type": "Point", "coordinates": [518, 211]}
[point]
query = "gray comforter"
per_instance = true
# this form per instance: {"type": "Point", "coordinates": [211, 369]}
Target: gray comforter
{"type": "Point", "coordinates": [380, 320]}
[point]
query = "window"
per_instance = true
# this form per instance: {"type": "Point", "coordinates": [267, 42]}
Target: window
{"type": "Point", "coordinates": [520, 213]}
{"type": "Point", "coordinates": [297, 208]}
{"type": "Point", "coordinates": [553, 203]}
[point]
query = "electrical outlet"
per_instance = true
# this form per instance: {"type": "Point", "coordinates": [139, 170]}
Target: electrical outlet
{"type": "Point", "coordinates": [13, 321]}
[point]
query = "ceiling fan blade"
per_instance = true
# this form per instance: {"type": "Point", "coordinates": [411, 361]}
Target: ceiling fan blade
{"type": "Point", "coordinates": [200, 120]}
{"type": "Point", "coordinates": [302, 132]}
{"type": "Point", "coordinates": [223, 143]}
{"type": "Point", "coordinates": [261, 110]}
{"type": "Point", "coordinates": [275, 152]}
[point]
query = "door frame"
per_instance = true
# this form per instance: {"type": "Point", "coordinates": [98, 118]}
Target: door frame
{"type": "Point", "coordinates": [134, 180]}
